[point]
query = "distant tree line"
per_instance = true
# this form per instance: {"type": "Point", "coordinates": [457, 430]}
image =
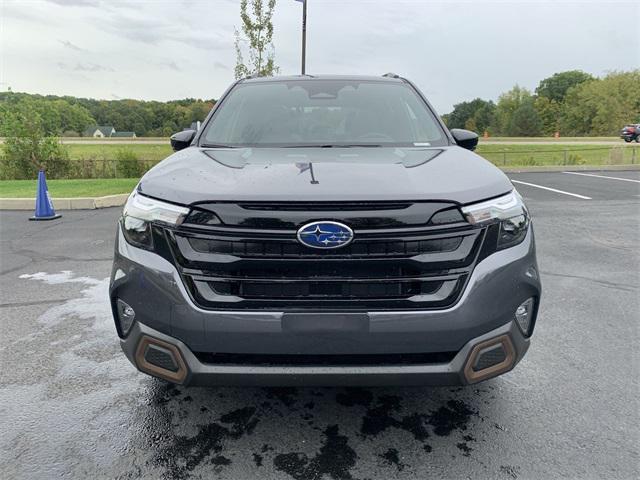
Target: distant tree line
{"type": "Point", "coordinates": [572, 103]}
{"type": "Point", "coordinates": [70, 116]}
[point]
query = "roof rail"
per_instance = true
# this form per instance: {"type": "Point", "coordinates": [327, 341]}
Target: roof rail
{"type": "Point", "coordinates": [391, 75]}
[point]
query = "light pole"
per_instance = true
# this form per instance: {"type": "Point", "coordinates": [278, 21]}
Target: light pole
{"type": "Point", "coordinates": [304, 33]}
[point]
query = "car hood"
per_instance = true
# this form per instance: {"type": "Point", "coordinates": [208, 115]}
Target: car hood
{"type": "Point", "coordinates": [324, 174]}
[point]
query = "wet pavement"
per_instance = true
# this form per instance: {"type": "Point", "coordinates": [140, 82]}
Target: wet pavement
{"type": "Point", "coordinates": [72, 406]}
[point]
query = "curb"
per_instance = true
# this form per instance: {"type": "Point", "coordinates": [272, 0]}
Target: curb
{"type": "Point", "coordinates": [91, 203]}
{"type": "Point", "coordinates": [78, 203]}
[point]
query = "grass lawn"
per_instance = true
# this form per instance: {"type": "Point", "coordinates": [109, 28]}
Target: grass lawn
{"type": "Point", "coordinates": [68, 188]}
{"type": "Point", "coordinates": [79, 151]}
{"type": "Point", "coordinates": [521, 154]}
{"type": "Point", "coordinates": [115, 140]}
{"type": "Point", "coordinates": [165, 140]}
{"type": "Point", "coordinates": [577, 154]}
{"type": "Point", "coordinates": [551, 139]}
{"type": "Point", "coordinates": [99, 161]}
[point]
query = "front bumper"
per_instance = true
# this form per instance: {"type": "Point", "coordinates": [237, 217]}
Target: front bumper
{"type": "Point", "coordinates": [456, 372]}
{"type": "Point", "coordinates": [164, 311]}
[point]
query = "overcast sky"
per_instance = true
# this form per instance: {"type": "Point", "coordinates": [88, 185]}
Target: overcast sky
{"type": "Point", "coordinates": [453, 51]}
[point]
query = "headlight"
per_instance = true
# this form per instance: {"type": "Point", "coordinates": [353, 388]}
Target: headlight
{"type": "Point", "coordinates": [137, 232]}
{"type": "Point", "coordinates": [509, 211]}
{"type": "Point", "coordinates": [140, 212]}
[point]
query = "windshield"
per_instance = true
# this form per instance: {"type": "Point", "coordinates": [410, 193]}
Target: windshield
{"type": "Point", "coordinates": [323, 113]}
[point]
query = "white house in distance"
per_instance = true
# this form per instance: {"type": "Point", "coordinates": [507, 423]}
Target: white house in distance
{"type": "Point", "coordinates": [106, 131]}
{"type": "Point", "coordinates": [99, 131]}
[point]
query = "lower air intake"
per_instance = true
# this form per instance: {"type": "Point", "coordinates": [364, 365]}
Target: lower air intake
{"type": "Point", "coordinates": [161, 357]}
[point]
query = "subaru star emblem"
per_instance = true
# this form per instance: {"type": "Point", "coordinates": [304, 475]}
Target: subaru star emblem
{"type": "Point", "coordinates": [325, 235]}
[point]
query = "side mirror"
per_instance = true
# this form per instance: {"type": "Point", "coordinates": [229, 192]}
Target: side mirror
{"type": "Point", "coordinates": [182, 139]}
{"type": "Point", "coordinates": [465, 138]}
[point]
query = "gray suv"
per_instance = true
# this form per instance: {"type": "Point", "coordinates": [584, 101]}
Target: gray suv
{"type": "Point", "coordinates": [324, 230]}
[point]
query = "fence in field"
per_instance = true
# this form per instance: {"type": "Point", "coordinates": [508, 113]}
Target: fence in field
{"type": "Point", "coordinates": [502, 156]}
{"type": "Point", "coordinates": [108, 168]}
{"type": "Point", "coordinates": [596, 155]}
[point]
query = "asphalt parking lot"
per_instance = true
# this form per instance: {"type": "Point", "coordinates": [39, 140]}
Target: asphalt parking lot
{"type": "Point", "coordinates": [72, 406]}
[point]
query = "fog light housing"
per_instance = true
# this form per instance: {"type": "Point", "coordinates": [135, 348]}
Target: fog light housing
{"type": "Point", "coordinates": [490, 358]}
{"type": "Point", "coordinates": [126, 316]}
{"type": "Point", "coordinates": [524, 315]}
{"type": "Point", "coordinates": [160, 359]}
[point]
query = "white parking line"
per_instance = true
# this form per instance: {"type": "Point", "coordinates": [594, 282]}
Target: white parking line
{"type": "Point", "coordinates": [552, 189]}
{"type": "Point", "coordinates": [603, 176]}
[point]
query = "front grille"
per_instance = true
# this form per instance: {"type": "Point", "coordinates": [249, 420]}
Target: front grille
{"type": "Point", "coordinates": [411, 267]}
{"type": "Point", "coordinates": [325, 289]}
{"type": "Point", "coordinates": [290, 248]}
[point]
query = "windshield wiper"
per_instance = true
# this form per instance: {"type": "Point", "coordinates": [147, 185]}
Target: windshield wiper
{"type": "Point", "coordinates": [350, 145]}
{"type": "Point", "coordinates": [374, 145]}
{"type": "Point", "coordinates": [216, 145]}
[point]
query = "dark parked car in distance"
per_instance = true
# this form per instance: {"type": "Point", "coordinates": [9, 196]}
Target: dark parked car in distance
{"type": "Point", "coordinates": [631, 132]}
{"type": "Point", "coordinates": [324, 230]}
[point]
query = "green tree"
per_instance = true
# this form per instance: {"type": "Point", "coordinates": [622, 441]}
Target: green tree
{"type": "Point", "coordinates": [602, 106]}
{"type": "Point", "coordinates": [28, 148]}
{"type": "Point", "coordinates": [525, 121]}
{"type": "Point", "coordinates": [483, 118]}
{"type": "Point", "coordinates": [556, 86]}
{"type": "Point", "coordinates": [69, 114]}
{"type": "Point", "coordinates": [57, 115]}
{"type": "Point", "coordinates": [257, 32]}
{"type": "Point", "coordinates": [128, 164]}
{"type": "Point", "coordinates": [507, 105]}
{"type": "Point", "coordinates": [72, 117]}
{"type": "Point", "coordinates": [464, 114]}
{"type": "Point", "coordinates": [549, 113]}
